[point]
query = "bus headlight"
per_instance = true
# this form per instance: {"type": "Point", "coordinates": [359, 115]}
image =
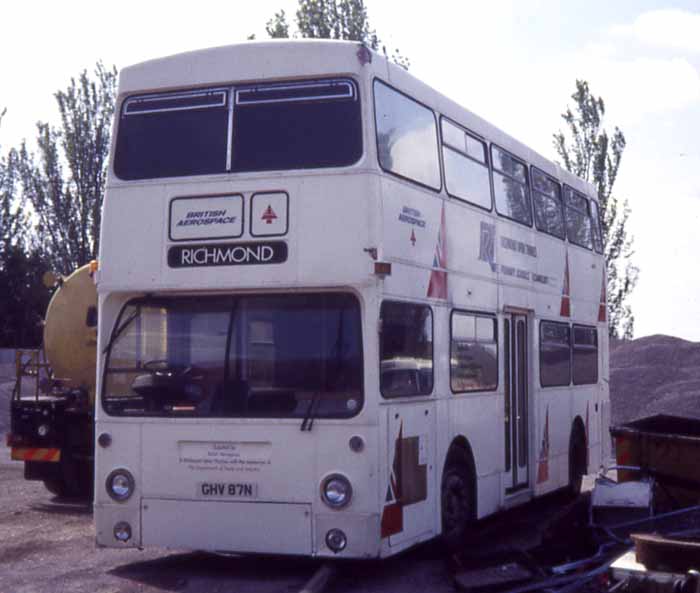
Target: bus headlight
{"type": "Point", "coordinates": [120, 485]}
{"type": "Point", "coordinates": [336, 491]}
{"type": "Point", "coordinates": [43, 430]}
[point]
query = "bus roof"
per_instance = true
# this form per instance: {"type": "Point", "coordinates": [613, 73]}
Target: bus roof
{"type": "Point", "coordinates": [260, 60]}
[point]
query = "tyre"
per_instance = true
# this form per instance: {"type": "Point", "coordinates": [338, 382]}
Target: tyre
{"type": "Point", "coordinates": [457, 499]}
{"type": "Point", "coordinates": [578, 460]}
{"type": "Point", "coordinates": [75, 481]}
{"type": "Point", "coordinates": [56, 487]}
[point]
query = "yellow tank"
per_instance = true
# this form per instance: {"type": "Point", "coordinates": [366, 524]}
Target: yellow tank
{"type": "Point", "coordinates": [70, 331]}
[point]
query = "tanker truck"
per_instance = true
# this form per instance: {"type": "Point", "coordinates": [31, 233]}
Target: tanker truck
{"type": "Point", "coordinates": [51, 415]}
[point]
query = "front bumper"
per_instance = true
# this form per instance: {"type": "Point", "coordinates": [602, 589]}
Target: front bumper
{"type": "Point", "coordinates": [237, 527]}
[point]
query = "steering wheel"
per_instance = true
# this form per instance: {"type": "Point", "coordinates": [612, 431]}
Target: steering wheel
{"type": "Point", "coordinates": [162, 366]}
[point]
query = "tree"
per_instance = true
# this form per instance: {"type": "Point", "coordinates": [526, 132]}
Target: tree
{"type": "Point", "coordinates": [65, 182]}
{"type": "Point", "coordinates": [590, 153]}
{"type": "Point", "coordinates": [332, 19]}
{"type": "Point", "coordinates": [13, 220]}
{"type": "Point", "coordinates": [23, 298]}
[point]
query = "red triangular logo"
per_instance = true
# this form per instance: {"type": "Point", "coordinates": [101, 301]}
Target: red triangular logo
{"type": "Point", "coordinates": [602, 307]}
{"type": "Point", "coordinates": [565, 310]}
{"type": "Point", "coordinates": [437, 285]}
{"type": "Point", "coordinates": [269, 215]}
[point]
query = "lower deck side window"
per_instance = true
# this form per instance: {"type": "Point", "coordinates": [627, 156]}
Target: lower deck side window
{"type": "Point", "coordinates": [568, 353]}
{"type": "Point", "coordinates": [406, 349]}
{"type": "Point", "coordinates": [555, 354]}
{"type": "Point", "coordinates": [585, 355]}
{"type": "Point", "coordinates": [473, 353]}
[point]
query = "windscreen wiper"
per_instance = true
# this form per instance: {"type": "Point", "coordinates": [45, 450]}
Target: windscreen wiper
{"type": "Point", "coordinates": [308, 421]}
{"type": "Point", "coordinates": [120, 330]}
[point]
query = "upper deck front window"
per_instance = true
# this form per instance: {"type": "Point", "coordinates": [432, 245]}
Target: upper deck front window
{"type": "Point", "coordinates": [264, 127]}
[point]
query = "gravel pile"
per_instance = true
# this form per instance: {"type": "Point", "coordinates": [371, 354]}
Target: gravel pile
{"type": "Point", "coordinates": [654, 375]}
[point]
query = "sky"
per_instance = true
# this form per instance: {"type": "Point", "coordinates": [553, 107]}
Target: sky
{"type": "Point", "coordinates": [513, 62]}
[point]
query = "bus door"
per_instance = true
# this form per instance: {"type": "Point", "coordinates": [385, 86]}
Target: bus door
{"type": "Point", "coordinates": [516, 364]}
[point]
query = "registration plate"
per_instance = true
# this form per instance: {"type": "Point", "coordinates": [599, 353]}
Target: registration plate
{"type": "Point", "coordinates": [227, 490]}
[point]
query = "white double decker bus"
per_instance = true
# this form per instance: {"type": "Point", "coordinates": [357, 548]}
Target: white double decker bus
{"type": "Point", "coordinates": [339, 313]}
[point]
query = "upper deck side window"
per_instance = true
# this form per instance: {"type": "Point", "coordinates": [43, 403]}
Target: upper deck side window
{"type": "Point", "coordinates": [510, 185]}
{"type": "Point", "coordinates": [578, 218]}
{"type": "Point", "coordinates": [466, 165]}
{"type": "Point", "coordinates": [597, 232]}
{"type": "Point", "coordinates": [406, 137]}
{"type": "Point", "coordinates": [282, 126]}
{"type": "Point", "coordinates": [546, 196]}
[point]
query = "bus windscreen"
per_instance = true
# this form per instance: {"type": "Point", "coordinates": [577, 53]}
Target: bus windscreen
{"type": "Point", "coordinates": [237, 357]}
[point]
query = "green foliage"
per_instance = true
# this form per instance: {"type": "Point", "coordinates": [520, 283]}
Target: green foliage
{"type": "Point", "coordinates": [332, 19]}
{"type": "Point", "coordinates": [23, 298]}
{"type": "Point", "coordinates": [13, 219]}
{"type": "Point", "coordinates": [64, 183]}
{"type": "Point", "coordinates": [277, 27]}
{"type": "Point", "coordinates": [590, 153]}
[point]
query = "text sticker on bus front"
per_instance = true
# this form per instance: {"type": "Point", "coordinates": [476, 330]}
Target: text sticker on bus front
{"type": "Point", "coordinates": [210, 217]}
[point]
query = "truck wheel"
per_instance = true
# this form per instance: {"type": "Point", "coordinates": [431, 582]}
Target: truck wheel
{"type": "Point", "coordinates": [56, 487]}
{"type": "Point", "coordinates": [75, 481]}
{"type": "Point", "coordinates": [457, 499]}
{"type": "Point", "coordinates": [577, 460]}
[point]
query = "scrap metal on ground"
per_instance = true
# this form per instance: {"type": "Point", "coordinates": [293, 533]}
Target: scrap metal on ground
{"type": "Point", "coordinates": [639, 532]}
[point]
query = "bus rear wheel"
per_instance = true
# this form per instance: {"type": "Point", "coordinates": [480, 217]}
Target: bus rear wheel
{"type": "Point", "coordinates": [457, 499]}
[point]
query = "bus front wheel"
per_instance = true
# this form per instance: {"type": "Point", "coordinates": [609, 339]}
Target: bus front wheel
{"type": "Point", "coordinates": [457, 499]}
